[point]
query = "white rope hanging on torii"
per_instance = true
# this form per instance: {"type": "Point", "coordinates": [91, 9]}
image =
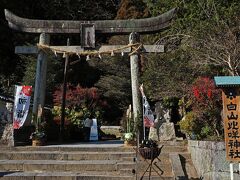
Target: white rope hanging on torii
{"type": "Point", "coordinates": [135, 48]}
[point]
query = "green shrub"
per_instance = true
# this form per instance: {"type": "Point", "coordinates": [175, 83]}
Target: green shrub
{"type": "Point", "coordinates": [187, 123]}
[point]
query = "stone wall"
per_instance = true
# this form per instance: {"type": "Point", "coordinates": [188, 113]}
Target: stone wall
{"type": "Point", "coordinates": [6, 129]}
{"type": "Point", "coordinates": [112, 130]}
{"type": "Point", "coordinates": [209, 159]}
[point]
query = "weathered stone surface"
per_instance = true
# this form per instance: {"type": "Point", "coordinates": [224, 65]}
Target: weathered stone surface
{"type": "Point", "coordinates": [7, 134]}
{"type": "Point", "coordinates": [153, 134]}
{"type": "Point", "coordinates": [163, 129]}
{"type": "Point", "coordinates": [6, 129]}
{"type": "Point", "coordinates": [167, 132]}
{"type": "Point", "coordinates": [147, 25]}
{"type": "Point", "coordinates": [177, 166]}
{"type": "Point", "coordinates": [209, 158]}
{"type": "Point", "coordinates": [86, 161]}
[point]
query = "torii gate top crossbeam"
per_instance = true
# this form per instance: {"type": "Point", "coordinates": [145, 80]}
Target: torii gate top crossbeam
{"type": "Point", "coordinates": [147, 25]}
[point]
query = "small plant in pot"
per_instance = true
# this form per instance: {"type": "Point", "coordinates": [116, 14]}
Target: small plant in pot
{"type": "Point", "coordinates": [39, 136]}
{"type": "Point", "coordinates": [129, 139]}
{"type": "Point", "coordinates": [129, 136]}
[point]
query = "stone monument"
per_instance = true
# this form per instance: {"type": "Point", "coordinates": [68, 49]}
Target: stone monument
{"type": "Point", "coordinates": [166, 130]}
{"type": "Point", "coordinates": [154, 131]}
{"type": "Point", "coordinates": [163, 129]}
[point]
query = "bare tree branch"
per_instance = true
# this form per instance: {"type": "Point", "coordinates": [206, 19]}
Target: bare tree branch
{"type": "Point", "coordinates": [219, 48]}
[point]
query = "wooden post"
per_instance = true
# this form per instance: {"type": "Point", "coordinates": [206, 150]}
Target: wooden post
{"type": "Point", "coordinates": [134, 38]}
{"type": "Point", "coordinates": [64, 95]}
{"type": "Point", "coordinates": [238, 167]}
{"type": "Point", "coordinates": [40, 81]}
{"type": "Point", "coordinates": [231, 170]}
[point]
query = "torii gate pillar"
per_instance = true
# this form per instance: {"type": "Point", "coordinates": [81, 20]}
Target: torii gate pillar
{"type": "Point", "coordinates": [134, 61]}
{"type": "Point", "coordinates": [40, 80]}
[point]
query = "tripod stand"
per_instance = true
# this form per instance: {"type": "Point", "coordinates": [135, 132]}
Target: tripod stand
{"type": "Point", "coordinates": [149, 154]}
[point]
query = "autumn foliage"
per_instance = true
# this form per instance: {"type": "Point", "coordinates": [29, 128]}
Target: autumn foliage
{"type": "Point", "coordinates": [204, 93]}
{"type": "Point", "coordinates": [80, 104]}
{"type": "Point", "coordinates": [204, 118]}
{"type": "Point", "coordinates": [77, 96]}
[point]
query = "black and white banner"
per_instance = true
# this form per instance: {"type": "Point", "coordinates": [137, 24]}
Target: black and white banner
{"type": "Point", "coordinates": [21, 105]}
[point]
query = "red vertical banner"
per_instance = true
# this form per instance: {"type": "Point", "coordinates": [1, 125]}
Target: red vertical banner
{"type": "Point", "coordinates": [231, 117]}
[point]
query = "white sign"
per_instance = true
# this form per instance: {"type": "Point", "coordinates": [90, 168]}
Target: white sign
{"type": "Point", "coordinates": [21, 105]}
{"type": "Point", "coordinates": [94, 131]}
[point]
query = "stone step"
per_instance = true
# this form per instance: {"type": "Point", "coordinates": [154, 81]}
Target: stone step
{"type": "Point", "coordinates": [67, 149]}
{"type": "Point", "coordinates": [56, 155]}
{"type": "Point", "coordinates": [177, 166]}
{"type": "Point", "coordinates": [72, 176]}
{"type": "Point", "coordinates": [38, 175]}
{"type": "Point", "coordinates": [157, 178]}
{"type": "Point", "coordinates": [185, 155]}
{"type": "Point", "coordinates": [164, 158]}
{"type": "Point", "coordinates": [140, 174]}
{"type": "Point", "coordinates": [141, 166]}
{"type": "Point", "coordinates": [75, 166]}
{"type": "Point", "coordinates": [79, 162]}
{"type": "Point", "coordinates": [165, 149]}
{"type": "Point", "coordinates": [188, 166]}
{"type": "Point", "coordinates": [56, 165]}
{"type": "Point", "coordinates": [166, 169]}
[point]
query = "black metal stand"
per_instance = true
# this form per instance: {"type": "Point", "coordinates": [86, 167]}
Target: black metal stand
{"type": "Point", "coordinates": [149, 155]}
{"type": "Point", "coordinates": [150, 167]}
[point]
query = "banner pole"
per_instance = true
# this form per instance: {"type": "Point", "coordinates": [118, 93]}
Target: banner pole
{"type": "Point", "coordinates": [144, 133]}
{"type": "Point", "coordinates": [231, 171]}
{"type": "Point", "coordinates": [14, 108]}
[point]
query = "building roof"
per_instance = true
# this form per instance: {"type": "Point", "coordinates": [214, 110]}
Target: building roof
{"type": "Point", "coordinates": [227, 81]}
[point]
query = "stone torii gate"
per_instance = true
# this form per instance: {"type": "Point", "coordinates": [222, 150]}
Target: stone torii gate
{"type": "Point", "coordinates": [88, 30]}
